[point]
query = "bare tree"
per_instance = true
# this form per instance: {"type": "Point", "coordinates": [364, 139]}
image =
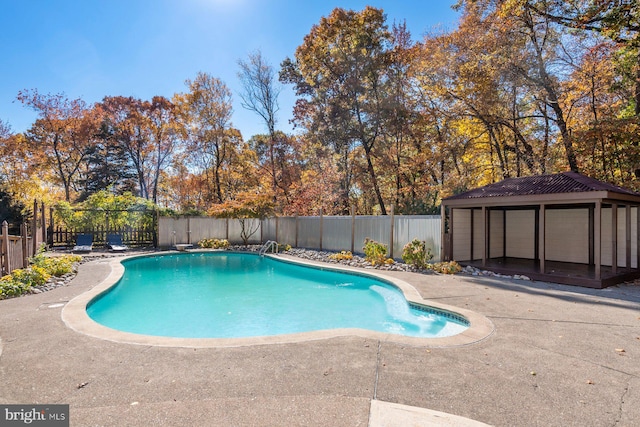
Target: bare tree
{"type": "Point", "coordinates": [5, 130]}
{"type": "Point", "coordinates": [260, 95]}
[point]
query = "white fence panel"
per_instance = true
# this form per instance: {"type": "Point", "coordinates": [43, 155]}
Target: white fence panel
{"type": "Point", "coordinates": [252, 227]}
{"type": "Point", "coordinates": [270, 228]}
{"type": "Point", "coordinates": [286, 230]}
{"type": "Point", "coordinates": [207, 228]}
{"type": "Point", "coordinates": [309, 232]}
{"type": "Point", "coordinates": [336, 233]}
{"type": "Point", "coordinates": [422, 227]}
{"type": "Point", "coordinates": [172, 231]}
{"type": "Point", "coordinates": [304, 232]}
{"type": "Point", "coordinates": [377, 228]}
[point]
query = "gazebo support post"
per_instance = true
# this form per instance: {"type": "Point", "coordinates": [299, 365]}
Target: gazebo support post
{"type": "Point", "coordinates": [443, 220]}
{"type": "Point", "coordinates": [638, 237]}
{"type": "Point", "coordinates": [451, 231]}
{"type": "Point", "coordinates": [591, 231]}
{"type": "Point", "coordinates": [485, 231]}
{"type": "Point", "coordinates": [597, 245]}
{"type": "Point", "coordinates": [504, 233]}
{"type": "Point", "coordinates": [627, 226]}
{"type": "Point", "coordinates": [472, 233]}
{"type": "Point", "coordinates": [541, 242]}
{"type": "Point", "coordinates": [614, 239]}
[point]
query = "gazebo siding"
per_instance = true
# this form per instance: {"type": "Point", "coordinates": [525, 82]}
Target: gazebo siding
{"type": "Point", "coordinates": [558, 237]}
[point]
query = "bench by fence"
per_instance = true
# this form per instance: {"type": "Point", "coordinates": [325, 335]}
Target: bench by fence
{"type": "Point", "coordinates": [137, 227]}
{"type": "Point", "coordinates": [61, 236]}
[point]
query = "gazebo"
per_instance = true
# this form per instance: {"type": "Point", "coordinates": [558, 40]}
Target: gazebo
{"type": "Point", "coordinates": [563, 228]}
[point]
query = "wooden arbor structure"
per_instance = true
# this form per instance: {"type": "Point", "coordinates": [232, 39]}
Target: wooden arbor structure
{"type": "Point", "coordinates": [564, 228]}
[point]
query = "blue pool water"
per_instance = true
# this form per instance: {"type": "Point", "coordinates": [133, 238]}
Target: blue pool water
{"type": "Point", "coordinates": [229, 295]}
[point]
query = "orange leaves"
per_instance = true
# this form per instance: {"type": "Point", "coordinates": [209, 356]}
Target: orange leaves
{"type": "Point", "coordinates": [249, 204]}
{"type": "Point", "coordinates": [149, 132]}
{"type": "Point", "coordinates": [62, 135]}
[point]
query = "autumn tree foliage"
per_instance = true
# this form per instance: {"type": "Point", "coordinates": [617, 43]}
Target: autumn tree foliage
{"type": "Point", "coordinates": [214, 146]}
{"type": "Point", "coordinates": [614, 20]}
{"type": "Point", "coordinates": [11, 210]}
{"type": "Point", "coordinates": [519, 87]}
{"type": "Point", "coordinates": [150, 134]}
{"type": "Point", "coordinates": [246, 207]}
{"type": "Point", "coordinates": [339, 74]}
{"type": "Point", "coordinates": [61, 136]}
{"type": "Point", "coordinates": [260, 95]}
{"type": "Point", "coordinates": [279, 163]}
{"type": "Point", "coordinates": [616, 24]}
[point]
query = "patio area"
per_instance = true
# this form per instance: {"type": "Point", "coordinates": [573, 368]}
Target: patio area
{"type": "Point", "coordinates": [568, 273]}
{"type": "Point", "coordinates": [559, 356]}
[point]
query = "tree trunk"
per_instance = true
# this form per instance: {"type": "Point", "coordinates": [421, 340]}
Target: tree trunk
{"type": "Point", "coordinates": [374, 179]}
{"type": "Point", "coordinates": [636, 96]}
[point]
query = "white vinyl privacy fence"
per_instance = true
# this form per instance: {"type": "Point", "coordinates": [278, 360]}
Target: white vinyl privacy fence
{"type": "Point", "coordinates": [331, 233]}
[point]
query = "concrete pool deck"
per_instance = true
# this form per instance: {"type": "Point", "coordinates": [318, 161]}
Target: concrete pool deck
{"type": "Point", "coordinates": [75, 316]}
{"type": "Point", "coordinates": [559, 356]}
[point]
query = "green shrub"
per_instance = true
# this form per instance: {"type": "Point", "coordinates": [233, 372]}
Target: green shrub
{"type": "Point", "coordinates": [416, 253]}
{"type": "Point", "coordinates": [55, 266]}
{"type": "Point", "coordinates": [375, 252]}
{"type": "Point", "coordinates": [31, 276]}
{"type": "Point", "coordinates": [214, 243]}
{"type": "Point", "coordinates": [283, 247]}
{"type": "Point", "coordinates": [10, 287]}
{"type": "Point", "coordinates": [37, 274]}
{"type": "Point", "coordinates": [21, 280]}
{"type": "Point", "coordinates": [58, 266]}
{"type": "Point", "coordinates": [450, 267]}
{"type": "Point", "coordinates": [342, 255]}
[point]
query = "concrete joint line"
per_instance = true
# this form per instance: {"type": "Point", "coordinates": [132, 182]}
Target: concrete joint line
{"type": "Point", "coordinates": [575, 322]}
{"type": "Point", "coordinates": [620, 407]}
{"type": "Point", "coordinates": [375, 384]}
{"type": "Point", "coordinates": [582, 359]}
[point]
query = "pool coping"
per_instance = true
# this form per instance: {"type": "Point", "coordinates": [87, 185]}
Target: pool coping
{"type": "Point", "coordinates": [75, 316]}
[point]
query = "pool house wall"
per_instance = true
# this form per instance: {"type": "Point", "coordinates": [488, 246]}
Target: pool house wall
{"type": "Point", "coordinates": [324, 232]}
{"type": "Point", "coordinates": [567, 234]}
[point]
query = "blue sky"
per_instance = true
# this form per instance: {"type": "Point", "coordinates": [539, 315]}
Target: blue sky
{"type": "Point", "coordinates": [90, 49]}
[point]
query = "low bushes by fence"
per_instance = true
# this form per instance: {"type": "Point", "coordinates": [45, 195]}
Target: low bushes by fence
{"type": "Point", "coordinates": [334, 233]}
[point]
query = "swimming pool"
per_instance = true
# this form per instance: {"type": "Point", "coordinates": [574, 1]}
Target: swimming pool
{"type": "Point", "coordinates": [235, 295]}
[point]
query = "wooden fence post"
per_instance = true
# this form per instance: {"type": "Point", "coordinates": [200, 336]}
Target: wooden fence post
{"type": "Point", "coordinates": [106, 220]}
{"type": "Point", "coordinates": [296, 245]}
{"type": "Point", "coordinates": [4, 250]}
{"type": "Point", "coordinates": [391, 237]}
{"type": "Point", "coordinates": [34, 228]}
{"type": "Point", "coordinates": [321, 227]}
{"type": "Point", "coordinates": [155, 227]}
{"type": "Point", "coordinates": [44, 224]}
{"type": "Point", "coordinates": [50, 233]}
{"type": "Point", "coordinates": [353, 228]}
{"type": "Point", "coordinates": [23, 240]}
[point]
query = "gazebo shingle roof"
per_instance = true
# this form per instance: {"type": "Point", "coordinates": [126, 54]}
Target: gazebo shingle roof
{"type": "Point", "coordinates": [565, 182]}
